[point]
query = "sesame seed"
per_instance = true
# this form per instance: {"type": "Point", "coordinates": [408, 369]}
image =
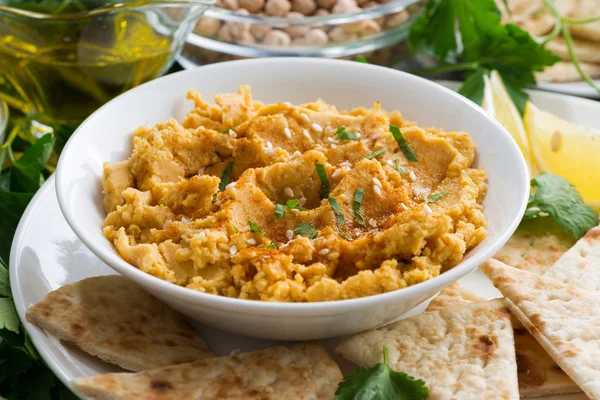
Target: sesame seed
{"type": "Point", "coordinates": [306, 133]}
{"type": "Point", "coordinates": [288, 192]}
{"type": "Point", "coordinates": [289, 234]}
{"type": "Point", "coordinates": [304, 117]}
{"type": "Point", "coordinates": [202, 235]}
{"type": "Point", "coordinates": [231, 185]}
{"type": "Point", "coordinates": [167, 223]}
{"type": "Point", "coordinates": [332, 140]}
{"type": "Point", "coordinates": [317, 128]}
{"type": "Point", "coordinates": [390, 163]}
{"type": "Point", "coordinates": [232, 133]}
{"type": "Point", "coordinates": [297, 154]}
{"type": "Point", "coordinates": [377, 190]}
{"type": "Point", "coordinates": [269, 145]}
{"type": "Point", "coordinates": [358, 135]}
{"type": "Point", "coordinates": [412, 176]}
{"type": "Point", "coordinates": [201, 171]}
{"type": "Point", "coordinates": [345, 164]}
{"type": "Point", "coordinates": [186, 220]}
{"type": "Point", "coordinates": [287, 133]}
{"type": "Point", "coordinates": [251, 242]}
{"type": "Point", "coordinates": [232, 250]}
{"type": "Point", "coordinates": [376, 136]}
{"type": "Point", "coordinates": [372, 222]}
{"type": "Point", "coordinates": [427, 209]}
{"type": "Point", "coordinates": [403, 206]}
{"type": "Point", "coordinates": [376, 181]}
{"type": "Point", "coordinates": [269, 152]}
{"type": "Point", "coordinates": [336, 173]}
{"type": "Point", "coordinates": [324, 252]}
{"type": "Point", "coordinates": [333, 146]}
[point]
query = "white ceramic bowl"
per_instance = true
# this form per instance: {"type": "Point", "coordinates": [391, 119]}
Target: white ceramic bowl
{"type": "Point", "coordinates": [106, 136]}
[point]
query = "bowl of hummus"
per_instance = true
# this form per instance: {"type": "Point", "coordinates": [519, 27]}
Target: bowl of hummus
{"type": "Point", "coordinates": [292, 199]}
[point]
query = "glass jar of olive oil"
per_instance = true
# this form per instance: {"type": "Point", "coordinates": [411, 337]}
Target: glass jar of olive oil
{"type": "Point", "coordinates": [65, 58]}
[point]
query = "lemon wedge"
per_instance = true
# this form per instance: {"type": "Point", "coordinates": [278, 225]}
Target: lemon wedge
{"type": "Point", "coordinates": [567, 150]}
{"type": "Point", "coordinates": [499, 105]}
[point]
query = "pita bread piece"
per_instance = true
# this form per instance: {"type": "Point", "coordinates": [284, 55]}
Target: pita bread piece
{"type": "Point", "coordinates": [564, 319]}
{"type": "Point", "coordinates": [115, 320]}
{"type": "Point", "coordinates": [564, 71]}
{"type": "Point", "coordinates": [304, 371]}
{"type": "Point", "coordinates": [465, 352]}
{"type": "Point", "coordinates": [581, 9]}
{"type": "Point", "coordinates": [580, 266]}
{"type": "Point", "coordinates": [453, 295]}
{"type": "Point", "coordinates": [586, 51]}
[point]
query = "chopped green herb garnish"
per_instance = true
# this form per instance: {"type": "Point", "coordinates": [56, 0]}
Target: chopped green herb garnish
{"type": "Point", "coordinates": [358, 198]}
{"type": "Point", "coordinates": [306, 229]}
{"type": "Point", "coordinates": [292, 204]}
{"type": "Point", "coordinates": [235, 229]}
{"type": "Point", "coordinates": [435, 197]}
{"type": "Point", "coordinates": [226, 130]}
{"type": "Point", "coordinates": [361, 59]}
{"type": "Point", "coordinates": [381, 382]}
{"type": "Point", "coordinates": [279, 210]}
{"type": "Point", "coordinates": [324, 191]}
{"type": "Point", "coordinates": [343, 134]}
{"type": "Point", "coordinates": [410, 155]}
{"type": "Point", "coordinates": [272, 246]}
{"type": "Point", "coordinates": [399, 168]}
{"type": "Point", "coordinates": [376, 153]}
{"type": "Point", "coordinates": [226, 176]}
{"type": "Point", "coordinates": [339, 217]}
{"type": "Point", "coordinates": [255, 228]}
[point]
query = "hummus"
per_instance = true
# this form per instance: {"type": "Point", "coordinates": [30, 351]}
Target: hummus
{"type": "Point", "coordinates": [294, 203]}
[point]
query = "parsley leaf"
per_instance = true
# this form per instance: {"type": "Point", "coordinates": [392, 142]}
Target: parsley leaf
{"type": "Point", "coordinates": [226, 130]}
{"type": "Point", "coordinates": [399, 168]}
{"type": "Point", "coordinates": [339, 216]}
{"type": "Point", "coordinates": [4, 280]}
{"type": "Point", "coordinates": [26, 172]}
{"type": "Point", "coordinates": [408, 153]}
{"type": "Point", "coordinates": [271, 246]}
{"type": "Point", "coordinates": [279, 210]}
{"type": "Point", "coordinates": [358, 198]}
{"type": "Point", "coordinates": [8, 315]}
{"type": "Point", "coordinates": [381, 382]}
{"type": "Point", "coordinates": [324, 191]}
{"type": "Point", "coordinates": [343, 134]}
{"type": "Point", "coordinates": [292, 204]}
{"type": "Point", "coordinates": [376, 153]}
{"type": "Point", "coordinates": [255, 228]}
{"type": "Point", "coordinates": [559, 199]}
{"type": "Point", "coordinates": [226, 176]}
{"type": "Point", "coordinates": [361, 59]}
{"type": "Point", "coordinates": [435, 197]}
{"type": "Point", "coordinates": [306, 229]}
{"type": "Point", "coordinates": [235, 229]}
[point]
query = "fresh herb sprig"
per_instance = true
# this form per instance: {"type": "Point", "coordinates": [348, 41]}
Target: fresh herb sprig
{"type": "Point", "coordinates": [357, 203]}
{"type": "Point", "coordinates": [306, 229]}
{"type": "Point", "coordinates": [399, 138]}
{"type": "Point", "coordinates": [339, 217]}
{"type": "Point", "coordinates": [226, 176]}
{"type": "Point", "coordinates": [343, 134]}
{"type": "Point", "coordinates": [324, 190]}
{"type": "Point", "coordinates": [376, 153]}
{"type": "Point", "coordinates": [292, 204]}
{"type": "Point", "coordinates": [381, 382]}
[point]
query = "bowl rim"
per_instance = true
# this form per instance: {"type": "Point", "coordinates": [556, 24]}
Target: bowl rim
{"type": "Point", "coordinates": [258, 307]}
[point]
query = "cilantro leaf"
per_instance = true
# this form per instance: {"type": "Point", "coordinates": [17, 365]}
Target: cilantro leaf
{"type": "Point", "coordinates": [8, 315]}
{"type": "Point", "coordinates": [324, 191]}
{"type": "Point", "coordinates": [400, 170]}
{"type": "Point", "coordinates": [26, 172]}
{"type": "Point", "coordinates": [435, 197]}
{"type": "Point", "coordinates": [255, 228]}
{"type": "Point", "coordinates": [271, 246]}
{"type": "Point", "coordinates": [381, 382]}
{"type": "Point", "coordinates": [226, 176]}
{"type": "Point", "coordinates": [559, 199]}
{"type": "Point", "coordinates": [226, 130]}
{"type": "Point", "coordinates": [306, 229]}
{"type": "Point", "coordinates": [279, 210]}
{"type": "Point", "coordinates": [376, 153]}
{"type": "Point", "coordinates": [343, 134]}
{"type": "Point", "coordinates": [339, 216]}
{"type": "Point", "coordinates": [292, 204]}
{"type": "Point", "coordinates": [408, 153]}
{"type": "Point", "coordinates": [357, 202]}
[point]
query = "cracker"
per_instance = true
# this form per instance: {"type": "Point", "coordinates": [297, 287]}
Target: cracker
{"type": "Point", "coordinates": [465, 352]}
{"type": "Point", "coordinates": [453, 295]}
{"type": "Point", "coordinates": [304, 371]}
{"type": "Point", "coordinates": [564, 71]}
{"type": "Point", "coordinates": [115, 320]}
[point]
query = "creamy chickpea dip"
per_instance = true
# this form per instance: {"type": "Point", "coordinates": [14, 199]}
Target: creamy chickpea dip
{"type": "Point", "coordinates": [294, 203]}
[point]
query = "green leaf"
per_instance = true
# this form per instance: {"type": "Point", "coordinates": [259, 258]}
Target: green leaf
{"type": "Point", "coordinates": [226, 130]}
{"type": "Point", "coordinates": [518, 96]}
{"type": "Point", "coordinates": [235, 228]}
{"type": "Point", "coordinates": [408, 153]}
{"type": "Point", "coordinates": [358, 198]}
{"type": "Point", "coordinates": [559, 199]}
{"type": "Point", "coordinates": [361, 59]}
{"type": "Point", "coordinates": [255, 228]}
{"type": "Point", "coordinates": [400, 170]}
{"type": "Point", "coordinates": [435, 197]}
{"type": "Point", "coordinates": [324, 191]}
{"type": "Point", "coordinates": [26, 174]}
{"type": "Point", "coordinates": [12, 206]}
{"type": "Point", "coordinates": [339, 216]}
{"type": "Point", "coordinates": [343, 134]}
{"type": "Point", "coordinates": [272, 246]}
{"type": "Point", "coordinates": [279, 210]}
{"type": "Point", "coordinates": [294, 204]}
{"type": "Point", "coordinates": [8, 315]}
{"type": "Point", "coordinates": [381, 382]}
{"type": "Point", "coordinates": [226, 176]}
{"type": "Point", "coordinates": [376, 153]}
{"type": "Point", "coordinates": [4, 280]}
{"type": "Point", "coordinates": [474, 85]}
{"type": "Point", "coordinates": [306, 229]}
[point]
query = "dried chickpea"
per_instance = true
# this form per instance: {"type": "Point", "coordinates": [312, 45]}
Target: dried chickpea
{"type": "Point", "coordinates": [296, 30]}
{"type": "Point", "coordinates": [327, 4]}
{"type": "Point", "coordinates": [224, 34]}
{"type": "Point", "coordinates": [207, 26]}
{"type": "Point", "coordinates": [345, 7]}
{"type": "Point", "coordinates": [338, 34]}
{"type": "Point", "coordinates": [277, 38]}
{"type": "Point", "coordinates": [237, 28]}
{"type": "Point", "coordinates": [362, 2]}
{"type": "Point", "coordinates": [230, 4]}
{"type": "Point", "coordinates": [397, 19]}
{"type": "Point", "coordinates": [370, 28]}
{"type": "Point", "coordinates": [316, 37]}
{"type": "Point", "coordinates": [321, 11]}
{"type": "Point", "coordinates": [253, 6]}
{"type": "Point", "coordinates": [259, 31]}
{"type": "Point", "coordinates": [299, 41]}
{"type": "Point", "coordinates": [368, 4]}
{"type": "Point", "coordinates": [246, 38]}
{"type": "Point", "coordinates": [278, 8]}
{"type": "Point", "coordinates": [304, 7]}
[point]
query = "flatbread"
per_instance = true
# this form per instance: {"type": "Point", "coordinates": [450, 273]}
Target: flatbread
{"type": "Point", "coordinates": [581, 9]}
{"type": "Point", "coordinates": [465, 352]}
{"type": "Point", "coordinates": [304, 371]}
{"type": "Point", "coordinates": [529, 15]}
{"type": "Point", "coordinates": [580, 266]}
{"type": "Point", "coordinates": [453, 295]}
{"type": "Point", "coordinates": [585, 50]}
{"type": "Point", "coordinates": [565, 320]}
{"type": "Point", "coordinates": [115, 320]}
{"type": "Point", "coordinates": [566, 72]}
{"type": "Point", "coordinates": [537, 373]}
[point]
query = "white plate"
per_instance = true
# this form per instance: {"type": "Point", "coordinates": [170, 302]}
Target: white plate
{"type": "Point", "coordinates": [46, 254]}
{"type": "Point", "coordinates": [573, 88]}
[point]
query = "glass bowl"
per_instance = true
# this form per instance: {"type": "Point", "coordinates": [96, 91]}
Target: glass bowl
{"type": "Point", "coordinates": [222, 35]}
{"type": "Point", "coordinates": [66, 62]}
